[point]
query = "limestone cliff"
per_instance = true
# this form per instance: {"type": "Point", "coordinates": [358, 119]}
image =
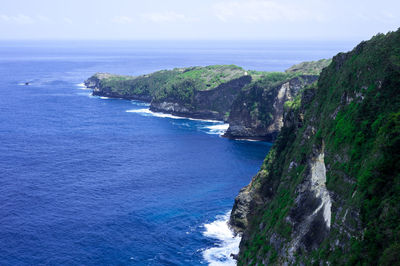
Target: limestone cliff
{"type": "Point", "coordinates": [208, 104]}
{"type": "Point", "coordinates": [257, 112]}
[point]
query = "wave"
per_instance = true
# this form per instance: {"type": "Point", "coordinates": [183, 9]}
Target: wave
{"type": "Point", "coordinates": [82, 86]}
{"type": "Point", "coordinates": [218, 129]}
{"type": "Point", "coordinates": [227, 244]}
{"type": "Point", "coordinates": [204, 120]}
{"type": "Point", "coordinates": [139, 103]}
{"type": "Point", "coordinates": [252, 140]}
{"type": "Point", "coordinates": [104, 98]}
{"type": "Point", "coordinates": [147, 112]}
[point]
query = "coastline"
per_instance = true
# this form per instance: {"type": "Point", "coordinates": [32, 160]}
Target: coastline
{"type": "Point", "coordinates": [176, 115]}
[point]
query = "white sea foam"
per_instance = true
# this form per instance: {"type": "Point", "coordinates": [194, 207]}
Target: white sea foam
{"type": "Point", "coordinates": [82, 86]}
{"type": "Point", "coordinates": [139, 103]}
{"type": "Point", "coordinates": [147, 112]}
{"type": "Point", "coordinates": [204, 120]}
{"type": "Point", "coordinates": [218, 129]}
{"type": "Point", "coordinates": [253, 140]}
{"type": "Point", "coordinates": [227, 243]}
{"type": "Point", "coordinates": [104, 98]}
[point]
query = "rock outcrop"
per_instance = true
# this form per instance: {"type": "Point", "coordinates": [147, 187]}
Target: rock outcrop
{"type": "Point", "coordinates": [208, 104]}
{"type": "Point", "coordinates": [257, 113]}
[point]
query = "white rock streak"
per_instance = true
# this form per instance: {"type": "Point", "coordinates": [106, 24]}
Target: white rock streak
{"type": "Point", "coordinates": [318, 185]}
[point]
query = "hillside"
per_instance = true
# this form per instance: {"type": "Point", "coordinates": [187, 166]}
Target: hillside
{"type": "Point", "coordinates": [329, 189]}
{"type": "Point", "coordinates": [257, 111]}
{"type": "Point", "coordinates": [159, 83]}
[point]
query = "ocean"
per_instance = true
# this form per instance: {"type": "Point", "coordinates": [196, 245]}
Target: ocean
{"type": "Point", "coordinates": [89, 180]}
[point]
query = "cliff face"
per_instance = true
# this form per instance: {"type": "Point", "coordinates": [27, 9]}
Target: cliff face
{"type": "Point", "coordinates": [329, 189]}
{"type": "Point", "coordinates": [257, 112]}
{"type": "Point", "coordinates": [200, 92]}
{"type": "Point", "coordinates": [208, 104]}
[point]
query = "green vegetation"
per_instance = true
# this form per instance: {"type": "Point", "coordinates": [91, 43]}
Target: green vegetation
{"type": "Point", "coordinates": [180, 90]}
{"type": "Point", "coordinates": [159, 84]}
{"type": "Point", "coordinates": [355, 109]}
{"type": "Point", "coordinates": [309, 68]}
{"type": "Point", "coordinates": [212, 76]}
{"type": "Point", "coordinates": [293, 104]}
{"type": "Point", "coordinates": [171, 84]}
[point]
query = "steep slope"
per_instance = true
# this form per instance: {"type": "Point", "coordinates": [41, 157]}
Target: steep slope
{"type": "Point", "coordinates": [329, 190]}
{"type": "Point", "coordinates": [185, 100]}
{"type": "Point", "coordinates": [257, 112]}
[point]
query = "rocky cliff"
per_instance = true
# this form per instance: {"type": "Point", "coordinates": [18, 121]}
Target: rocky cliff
{"type": "Point", "coordinates": [329, 190]}
{"type": "Point", "coordinates": [207, 104]}
{"type": "Point", "coordinates": [257, 112]}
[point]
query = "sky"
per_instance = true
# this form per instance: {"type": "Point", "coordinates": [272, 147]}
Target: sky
{"type": "Point", "coordinates": [197, 20]}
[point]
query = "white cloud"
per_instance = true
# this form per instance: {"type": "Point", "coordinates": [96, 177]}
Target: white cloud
{"type": "Point", "coordinates": [122, 20]}
{"type": "Point", "coordinates": [167, 16]}
{"type": "Point", "coordinates": [263, 10]}
{"type": "Point", "coordinates": [17, 19]}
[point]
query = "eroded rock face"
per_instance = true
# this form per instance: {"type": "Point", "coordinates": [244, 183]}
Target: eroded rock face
{"type": "Point", "coordinates": [209, 104]}
{"type": "Point", "coordinates": [318, 186]}
{"type": "Point", "coordinates": [261, 117]}
{"type": "Point", "coordinates": [310, 217]}
{"type": "Point", "coordinates": [238, 219]}
{"type": "Point", "coordinates": [311, 214]}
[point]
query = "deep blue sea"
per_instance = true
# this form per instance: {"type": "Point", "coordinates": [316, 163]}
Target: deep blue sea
{"type": "Point", "coordinates": [93, 181]}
